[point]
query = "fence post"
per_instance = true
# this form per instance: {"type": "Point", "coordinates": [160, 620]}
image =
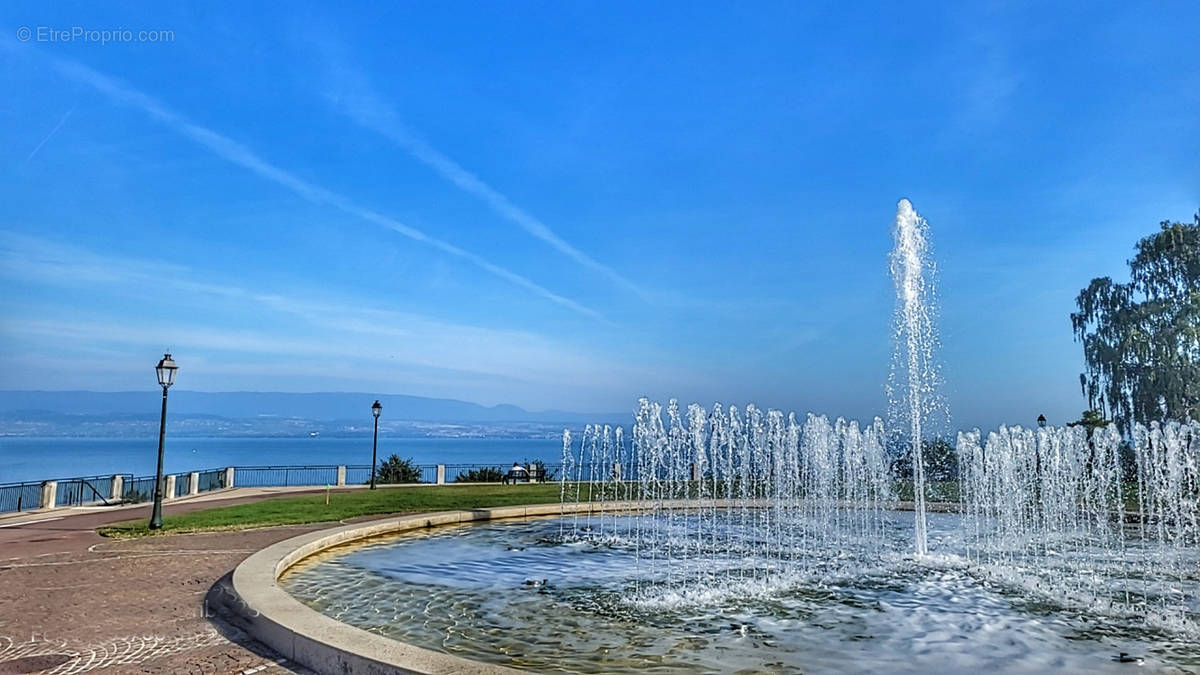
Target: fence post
{"type": "Point", "coordinates": [169, 488]}
{"type": "Point", "coordinates": [441, 474]}
{"type": "Point", "coordinates": [341, 479]}
{"type": "Point", "coordinates": [229, 476]}
{"type": "Point", "coordinates": [194, 483]}
{"type": "Point", "coordinates": [118, 487]}
{"type": "Point", "coordinates": [49, 497]}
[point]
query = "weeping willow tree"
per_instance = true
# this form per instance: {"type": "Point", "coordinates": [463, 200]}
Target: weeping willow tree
{"type": "Point", "coordinates": [1141, 340]}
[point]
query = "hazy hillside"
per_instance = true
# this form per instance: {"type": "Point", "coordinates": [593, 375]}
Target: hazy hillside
{"type": "Point", "coordinates": [267, 413]}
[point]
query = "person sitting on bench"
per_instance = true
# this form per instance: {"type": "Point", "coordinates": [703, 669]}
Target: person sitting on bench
{"type": "Point", "coordinates": [516, 473]}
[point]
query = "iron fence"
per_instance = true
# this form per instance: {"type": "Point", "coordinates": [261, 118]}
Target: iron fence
{"type": "Point", "coordinates": [495, 473]}
{"type": "Point", "coordinates": [551, 472]}
{"type": "Point", "coordinates": [139, 489]}
{"type": "Point", "coordinates": [98, 489]}
{"type": "Point", "coordinates": [183, 485]}
{"type": "Point", "coordinates": [84, 490]}
{"type": "Point", "coordinates": [358, 475]}
{"type": "Point", "coordinates": [20, 496]}
{"type": "Point", "coordinates": [284, 476]}
{"type": "Point", "coordinates": [361, 475]}
{"type": "Point", "coordinates": [428, 473]}
{"type": "Point", "coordinates": [476, 473]}
{"type": "Point", "coordinates": [212, 479]}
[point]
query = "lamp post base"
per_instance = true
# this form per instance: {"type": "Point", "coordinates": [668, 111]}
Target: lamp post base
{"type": "Point", "coordinates": [156, 518]}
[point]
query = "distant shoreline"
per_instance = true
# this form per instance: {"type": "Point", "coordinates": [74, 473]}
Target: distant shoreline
{"type": "Point", "coordinates": [36, 458]}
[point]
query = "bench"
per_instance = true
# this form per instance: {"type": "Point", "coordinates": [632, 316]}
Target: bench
{"type": "Point", "coordinates": [533, 475]}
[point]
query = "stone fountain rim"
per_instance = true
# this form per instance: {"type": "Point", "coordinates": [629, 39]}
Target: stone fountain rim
{"type": "Point", "coordinates": [303, 635]}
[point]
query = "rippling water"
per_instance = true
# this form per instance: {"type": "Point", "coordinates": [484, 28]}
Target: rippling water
{"type": "Point", "coordinates": [515, 593]}
{"type": "Point", "coordinates": [31, 459]}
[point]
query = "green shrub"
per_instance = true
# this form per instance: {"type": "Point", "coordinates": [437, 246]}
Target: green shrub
{"type": "Point", "coordinates": [396, 470]}
{"type": "Point", "coordinates": [537, 465]}
{"type": "Point", "coordinates": [489, 474]}
{"type": "Point", "coordinates": [135, 497]}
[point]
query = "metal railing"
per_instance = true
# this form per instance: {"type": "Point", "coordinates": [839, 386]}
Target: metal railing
{"type": "Point", "coordinates": [358, 475]}
{"type": "Point", "coordinates": [495, 473]}
{"type": "Point", "coordinates": [476, 473]}
{"type": "Point", "coordinates": [140, 489]}
{"type": "Point", "coordinates": [212, 479]}
{"type": "Point", "coordinates": [361, 475]}
{"type": "Point", "coordinates": [428, 473]}
{"type": "Point", "coordinates": [20, 496]}
{"type": "Point", "coordinates": [79, 490]}
{"type": "Point", "coordinates": [183, 485]}
{"type": "Point", "coordinates": [550, 472]}
{"type": "Point", "coordinates": [284, 476]}
{"type": "Point", "coordinates": [84, 490]}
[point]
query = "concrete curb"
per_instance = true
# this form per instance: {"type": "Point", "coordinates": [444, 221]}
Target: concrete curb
{"type": "Point", "coordinates": [303, 635]}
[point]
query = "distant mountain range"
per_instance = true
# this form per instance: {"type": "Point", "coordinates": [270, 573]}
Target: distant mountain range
{"type": "Point", "coordinates": [121, 413]}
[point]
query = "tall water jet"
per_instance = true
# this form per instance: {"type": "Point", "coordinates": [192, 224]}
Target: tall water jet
{"type": "Point", "coordinates": [914, 378]}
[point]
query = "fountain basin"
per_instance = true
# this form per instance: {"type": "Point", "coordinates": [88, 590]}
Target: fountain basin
{"type": "Point", "coordinates": [424, 600]}
{"type": "Point", "coordinates": [302, 635]}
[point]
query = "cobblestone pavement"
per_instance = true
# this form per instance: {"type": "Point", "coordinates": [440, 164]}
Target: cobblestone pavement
{"type": "Point", "coordinates": [129, 606]}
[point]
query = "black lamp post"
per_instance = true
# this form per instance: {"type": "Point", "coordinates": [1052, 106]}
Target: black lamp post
{"type": "Point", "coordinates": [1041, 421]}
{"type": "Point", "coordinates": [375, 410]}
{"type": "Point", "coordinates": [166, 377]}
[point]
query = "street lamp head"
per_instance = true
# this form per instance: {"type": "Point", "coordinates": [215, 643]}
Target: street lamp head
{"type": "Point", "coordinates": [376, 409]}
{"type": "Point", "coordinates": [1042, 421]}
{"type": "Point", "coordinates": [166, 371]}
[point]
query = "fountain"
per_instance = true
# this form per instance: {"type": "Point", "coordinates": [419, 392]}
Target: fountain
{"type": "Point", "coordinates": [707, 494]}
{"type": "Point", "coordinates": [740, 539]}
{"type": "Point", "coordinates": [914, 378]}
{"type": "Point", "coordinates": [726, 539]}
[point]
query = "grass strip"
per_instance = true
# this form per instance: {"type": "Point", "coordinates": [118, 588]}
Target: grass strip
{"type": "Point", "coordinates": [342, 505]}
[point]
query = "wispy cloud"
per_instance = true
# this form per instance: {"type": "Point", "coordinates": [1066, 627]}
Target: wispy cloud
{"type": "Point", "coordinates": [353, 95]}
{"type": "Point", "coordinates": [239, 154]}
{"type": "Point", "coordinates": [332, 328]}
{"type": "Point", "coordinates": [28, 258]}
{"type": "Point", "coordinates": [50, 135]}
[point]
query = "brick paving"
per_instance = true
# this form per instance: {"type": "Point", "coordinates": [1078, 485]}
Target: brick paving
{"type": "Point", "coordinates": [124, 606]}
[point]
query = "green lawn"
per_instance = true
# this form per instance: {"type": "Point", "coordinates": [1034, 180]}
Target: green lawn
{"type": "Point", "coordinates": [346, 504]}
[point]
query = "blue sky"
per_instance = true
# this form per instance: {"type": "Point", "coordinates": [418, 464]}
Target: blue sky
{"type": "Point", "coordinates": [568, 205]}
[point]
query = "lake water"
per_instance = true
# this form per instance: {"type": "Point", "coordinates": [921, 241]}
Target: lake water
{"type": "Point", "coordinates": [32, 459]}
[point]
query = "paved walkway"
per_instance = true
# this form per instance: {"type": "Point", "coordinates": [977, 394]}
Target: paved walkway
{"type": "Point", "coordinates": [74, 602]}
{"type": "Point", "coordinates": [73, 529]}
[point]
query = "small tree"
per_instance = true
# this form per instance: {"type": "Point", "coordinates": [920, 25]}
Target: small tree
{"type": "Point", "coordinates": [1090, 420]}
{"type": "Point", "coordinates": [1141, 340]}
{"type": "Point", "coordinates": [396, 470]}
